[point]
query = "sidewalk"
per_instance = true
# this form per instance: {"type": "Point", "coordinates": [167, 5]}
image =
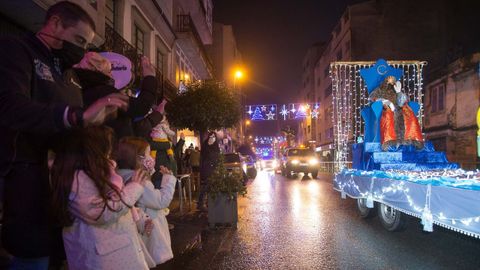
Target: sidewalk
{"type": "Point", "coordinates": [194, 245]}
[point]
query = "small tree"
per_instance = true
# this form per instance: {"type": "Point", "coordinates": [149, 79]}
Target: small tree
{"type": "Point", "coordinates": [222, 181]}
{"type": "Point", "coordinates": [205, 106]}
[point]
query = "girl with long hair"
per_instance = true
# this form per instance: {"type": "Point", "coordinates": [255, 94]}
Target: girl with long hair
{"type": "Point", "coordinates": [133, 154]}
{"type": "Point", "coordinates": [92, 203]}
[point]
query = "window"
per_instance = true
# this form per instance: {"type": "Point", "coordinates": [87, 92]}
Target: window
{"type": "Point", "coordinates": [309, 129]}
{"type": "Point", "coordinates": [328, 91]}
{"type": "Point", "coordinates": [339, 54]}
{"type": "Point", "coordinates": [139, 40]}
{"type": "Point", "coordinates": [319, 137]}
{"type": "Point", "coordinates": [329, 133]}
{"type": "Point", "coordinates": [337, 29]}
{"type": "Point", "coordinates": [110, 11]}
{"type": "Point", "coordinates": [347, 47]}
{"type": "Point", "coordinates": [328, 114]}
{"type": "Point", "coordinates": [346, 16]}
{"type": "Point", "coordinates": [440, 144]}
{"type": "Point", "coordinates": [160, 60]}
{"type": "Point", "coordinates": [93, 3]}
{"type": "Point", "coordinates": [437, 98]}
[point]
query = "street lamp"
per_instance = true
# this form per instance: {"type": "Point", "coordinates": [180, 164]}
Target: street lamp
{"type": "Point", "coordinates": [238, 74]}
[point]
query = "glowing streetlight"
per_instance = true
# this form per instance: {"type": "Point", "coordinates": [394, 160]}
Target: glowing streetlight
{"type": "Point", "coordinates": [238, 74]}
{"type": "Point", "coordinates": [247, 122]}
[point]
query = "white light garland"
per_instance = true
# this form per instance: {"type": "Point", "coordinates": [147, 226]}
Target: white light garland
{"type": "Point", "coordinates": [350, 96]}
{"type": "Point", "coordinates": [348, 186]}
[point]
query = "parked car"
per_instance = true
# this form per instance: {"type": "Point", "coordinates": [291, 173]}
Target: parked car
{"type": "Point", "coordinates": [296, 160]}
{"type": "Point", "coordinates": [234, 162]}
{"type": "Point", "coordinates": [251, 169]}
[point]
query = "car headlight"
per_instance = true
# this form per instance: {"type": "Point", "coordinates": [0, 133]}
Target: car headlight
{"type": "Point", "coordinates": [295, 161]}
{"type": "Point", "coordinates": [313, 161]}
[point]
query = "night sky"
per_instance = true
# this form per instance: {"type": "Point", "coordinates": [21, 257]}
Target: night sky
{"type": "Point", "coordinates": [273, 37]}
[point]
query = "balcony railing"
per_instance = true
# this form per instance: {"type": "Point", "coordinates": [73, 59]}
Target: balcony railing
{"type": "Point", "coordinates": [185, 24]}
{"type": "Point", "coordinates": [114, 42]}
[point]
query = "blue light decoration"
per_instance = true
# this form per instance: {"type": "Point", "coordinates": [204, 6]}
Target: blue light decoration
{"type": "Point", "coordinates": [257, 115]}
{"type": "Point", "coordinates": [261, 112]}
{"type": "Point", "coordinates": [301, 112]}
{"type": "Point", "coordinates": [268, 140]}
{"type": "Point", "coordinates": [264, 152]}
{"type": "Point", "coordinates": [291, 111]}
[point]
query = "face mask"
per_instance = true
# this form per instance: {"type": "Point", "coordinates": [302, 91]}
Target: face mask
{"type": "Point", "coordinates": [70, 54]}
{"type": "Point", "coordinates": [211, 140]}
{"type": "Point", "coordinates": [149, 164]}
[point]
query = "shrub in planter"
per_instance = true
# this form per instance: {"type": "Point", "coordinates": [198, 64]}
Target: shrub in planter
{"type": "Point", "coordinates": [224, 187]}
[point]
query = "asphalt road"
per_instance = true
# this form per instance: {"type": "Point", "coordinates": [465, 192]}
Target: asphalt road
{"type": "Point", "coordinates": [304, 224]}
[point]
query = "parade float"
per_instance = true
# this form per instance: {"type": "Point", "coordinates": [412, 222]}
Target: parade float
{"type": "Point", "coordinates": [395, 172]}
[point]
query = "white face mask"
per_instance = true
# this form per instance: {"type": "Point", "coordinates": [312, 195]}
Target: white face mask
{"type": "Point", "coordinates": [211, 140]}
{"type": "Point", "coordinates": [149, 164]}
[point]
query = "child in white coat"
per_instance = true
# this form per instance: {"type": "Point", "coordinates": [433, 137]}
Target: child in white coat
{"type": "Point", "coordinates": [134, 153]}
{"type": "Point", "coordinates": [94, 205]}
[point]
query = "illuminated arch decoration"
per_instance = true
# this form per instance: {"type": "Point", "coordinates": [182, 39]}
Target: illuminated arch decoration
{"type": "Point", "coordinates": [262, 112]}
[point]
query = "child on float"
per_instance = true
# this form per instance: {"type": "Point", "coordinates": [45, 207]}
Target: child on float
{"type": "Point", "coordinates": [94, 205]}
{"type": "Point", "coordinates": [133, 154]}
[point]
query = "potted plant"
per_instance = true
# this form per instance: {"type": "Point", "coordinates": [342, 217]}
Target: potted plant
{"type": "Point", "coordinates": [224, 188]}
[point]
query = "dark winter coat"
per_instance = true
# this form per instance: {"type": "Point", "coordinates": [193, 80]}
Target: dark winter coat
{"type": "Point", "coordinates": [162, 159]}
{"type": "Point", "coordinates": [96, 85]}
{"type": "Point", "coordinates": [144, 126]}
{"type": "Point", "coordinates": [33, 99]}
{"type": "Point", "coordinates": [179, 155]}
{"type": "Point", "coordinates": [208, 160]}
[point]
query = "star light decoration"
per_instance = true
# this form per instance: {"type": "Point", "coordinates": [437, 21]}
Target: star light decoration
{"type": "Point", "coordinates": [261, 112]}
{"type": "Point", "coordinates": [270, 116]}
{"type": "Point", "coordinates": [284, 112]}
{"type": "Point", "coordinates": [250, 110]}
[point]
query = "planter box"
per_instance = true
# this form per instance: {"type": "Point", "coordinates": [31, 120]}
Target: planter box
{"type": "Point", "coordinates": [222, 210]}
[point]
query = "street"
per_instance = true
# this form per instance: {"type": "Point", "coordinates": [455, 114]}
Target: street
{"type": "Point", "coordinates": [304, 224]}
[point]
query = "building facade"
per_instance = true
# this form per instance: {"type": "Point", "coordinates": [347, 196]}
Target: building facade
{"type": "Point", "coordinates": [226, 59]}
{"type": "Point", "coordinates": [307, 92]}
{"type": "Point", "coordinates": [407, 30]}
{"type": "Point", "coordinates": [451, 102]}
{"type": "Point", "coordinates": [172, 34]}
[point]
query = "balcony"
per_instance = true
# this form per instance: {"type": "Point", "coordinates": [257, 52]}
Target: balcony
{"type": "Point", "coordinates": [191, 43]}
{"type": "Point", "coordinates": [114, 42]}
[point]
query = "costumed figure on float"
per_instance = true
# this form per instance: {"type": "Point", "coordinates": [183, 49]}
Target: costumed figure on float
{"type": "Point", "coordinates": [398, 123]}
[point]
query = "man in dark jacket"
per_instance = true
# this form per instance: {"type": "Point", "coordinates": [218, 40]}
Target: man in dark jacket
{"type": "Point", "coordinates": [36, 105]}
{"type": "Point", "coordinates": [179, 153]}
{"type": "Point", "coordinates": [208, 161]}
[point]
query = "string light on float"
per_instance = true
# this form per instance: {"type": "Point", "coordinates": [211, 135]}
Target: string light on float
{"type": "Point", "coordinates": [350, 95]}
{"type": "Point", "coordinates": [396, 189]}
